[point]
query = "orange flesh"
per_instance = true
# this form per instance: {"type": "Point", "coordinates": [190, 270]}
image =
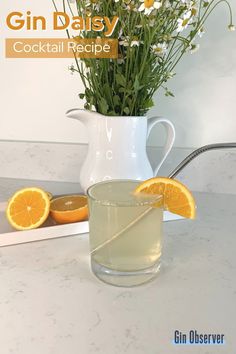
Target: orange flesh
{"type": "Point", "coordinates": [28, 208]}
{"type": "Point", "coordinates": [68, 203]}
{"type": "Point", "coordinates": [176, 197]}
{"type": "Point", "coordinates": [69, 209]}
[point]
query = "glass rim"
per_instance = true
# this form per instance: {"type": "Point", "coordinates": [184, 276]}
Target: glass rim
{"type": "Point", "coordinates": [151, 198]}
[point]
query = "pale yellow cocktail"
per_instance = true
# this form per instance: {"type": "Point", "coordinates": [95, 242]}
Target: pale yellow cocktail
{"type": "Point", "coordinates": [125, 233]}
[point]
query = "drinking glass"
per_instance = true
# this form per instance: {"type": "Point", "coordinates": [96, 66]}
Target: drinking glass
{"type": "Point", "coordinates": [125, 233]}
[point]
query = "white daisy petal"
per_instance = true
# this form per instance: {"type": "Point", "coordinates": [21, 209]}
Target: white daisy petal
{"type": "Point", "coordinates": [157, 5]}
{"type": "Point", "coordinates": [142, 7]}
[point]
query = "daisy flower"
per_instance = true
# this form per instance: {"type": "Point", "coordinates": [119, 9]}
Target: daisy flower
{"type": "Point", "coordinates": [135, 42]}
{"type": "Point", "coordinates": [194, 48]}
{"type": "Point", "coordinates": [186, 2]}
{"type": "Point", "coordinates": [201, 32]}
{"type": "Point", "coordinates": [167, 4]}
{"type": "Point", "coordinates": [170, 75]}
{"type": "Point", "coordinates": [184, 22]}
{"type": "Point", "coordinates": [124, 41]}
{"type": "Point", "coordinates": [149, 5]}
{"type": "Point", "coordinates": [94, 4]}
{"type": "Point", "coordinates": [159, 49]}
{"type": "Point", "coordinates": [130, 5]}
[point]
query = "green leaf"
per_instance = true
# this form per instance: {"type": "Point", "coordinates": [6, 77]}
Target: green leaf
{"type": "Point", "coordinates": [107, 91]}
{"type": "Point", "coordinates": [125, 90]}
{"type": "Point", "coordinates": [112, 113]}
{"type": "Point", "coordinates": [126, 110]}
{"type": "Point", "coordinates": [122, 89]}
{"type": "Point", "coordinates": [81, 96]}
{"type": "Point", "coordinates": [120, 80]}
{"type": "Point", "coordinates": [129, 101]}
{"type": "Point", "coordinates": [169, 93]}
{"type": "Point", "coordinates": [116, 100]}
{"type": "Point", "coordinates": [103, 106]}
{"type": "Point", "coordinates": [205, 4]}
{"type": "Point", "coordinates": [148, 103]}
{"type": "Point", "coordinates": [87, 106]}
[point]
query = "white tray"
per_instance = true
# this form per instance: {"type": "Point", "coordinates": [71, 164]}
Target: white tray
{"type": "Point", "coordinates": [9, 236]}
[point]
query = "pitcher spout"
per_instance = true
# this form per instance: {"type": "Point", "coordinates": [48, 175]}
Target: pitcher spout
{"type": "Point", "coordinates": [80, 114]}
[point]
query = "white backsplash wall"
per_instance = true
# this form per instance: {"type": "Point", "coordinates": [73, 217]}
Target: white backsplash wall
{"type": "Point", "coordinates": [214, 171]}
{"type": "Point", "coordinates": [36, 93]}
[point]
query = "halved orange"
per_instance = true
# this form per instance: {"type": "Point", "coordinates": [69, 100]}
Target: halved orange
{"type": "Point", "coordinates": [28, 208]}
{"type": "Point", "coordinates": [176, 196]}
{"type": "Point", "coordinates": [68, 209]}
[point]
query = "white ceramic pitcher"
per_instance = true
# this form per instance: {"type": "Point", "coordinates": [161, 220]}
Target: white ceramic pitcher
{"type": "Point", "coordinates": [117, 146]}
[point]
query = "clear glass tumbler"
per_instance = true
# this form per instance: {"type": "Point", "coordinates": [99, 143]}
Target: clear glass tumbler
{"type": "Point", "coordinates": [125, 233]}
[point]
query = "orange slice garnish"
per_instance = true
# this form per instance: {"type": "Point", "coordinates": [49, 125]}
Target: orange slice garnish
{"type": "Point", "coordinates": [68, 209]}
{"type": "Point", "coordinates": [176, 197]}
{"type": "Point", "coordinates": [28, 208]}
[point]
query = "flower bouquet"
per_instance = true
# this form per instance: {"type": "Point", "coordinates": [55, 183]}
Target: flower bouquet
{"type": "Point", "coordinates": [153, 35]}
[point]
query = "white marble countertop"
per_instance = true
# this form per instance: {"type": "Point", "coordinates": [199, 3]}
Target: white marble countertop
{"type": "Point", "coordinates": [212, 172]}
{"type": "Point", "coordinates": [50, 303]}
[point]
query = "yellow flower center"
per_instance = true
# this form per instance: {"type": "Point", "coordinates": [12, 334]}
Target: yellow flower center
{"type": "Point", "coordinates": [158, 50]}
{"type": "Point", "coordinates": [185, 22]}
{"type": "Point", "coordinates": [148, 3]}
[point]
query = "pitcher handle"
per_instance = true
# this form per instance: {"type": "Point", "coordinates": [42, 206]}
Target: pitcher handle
{"type": "Point", "coordinates": [170, 131]}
